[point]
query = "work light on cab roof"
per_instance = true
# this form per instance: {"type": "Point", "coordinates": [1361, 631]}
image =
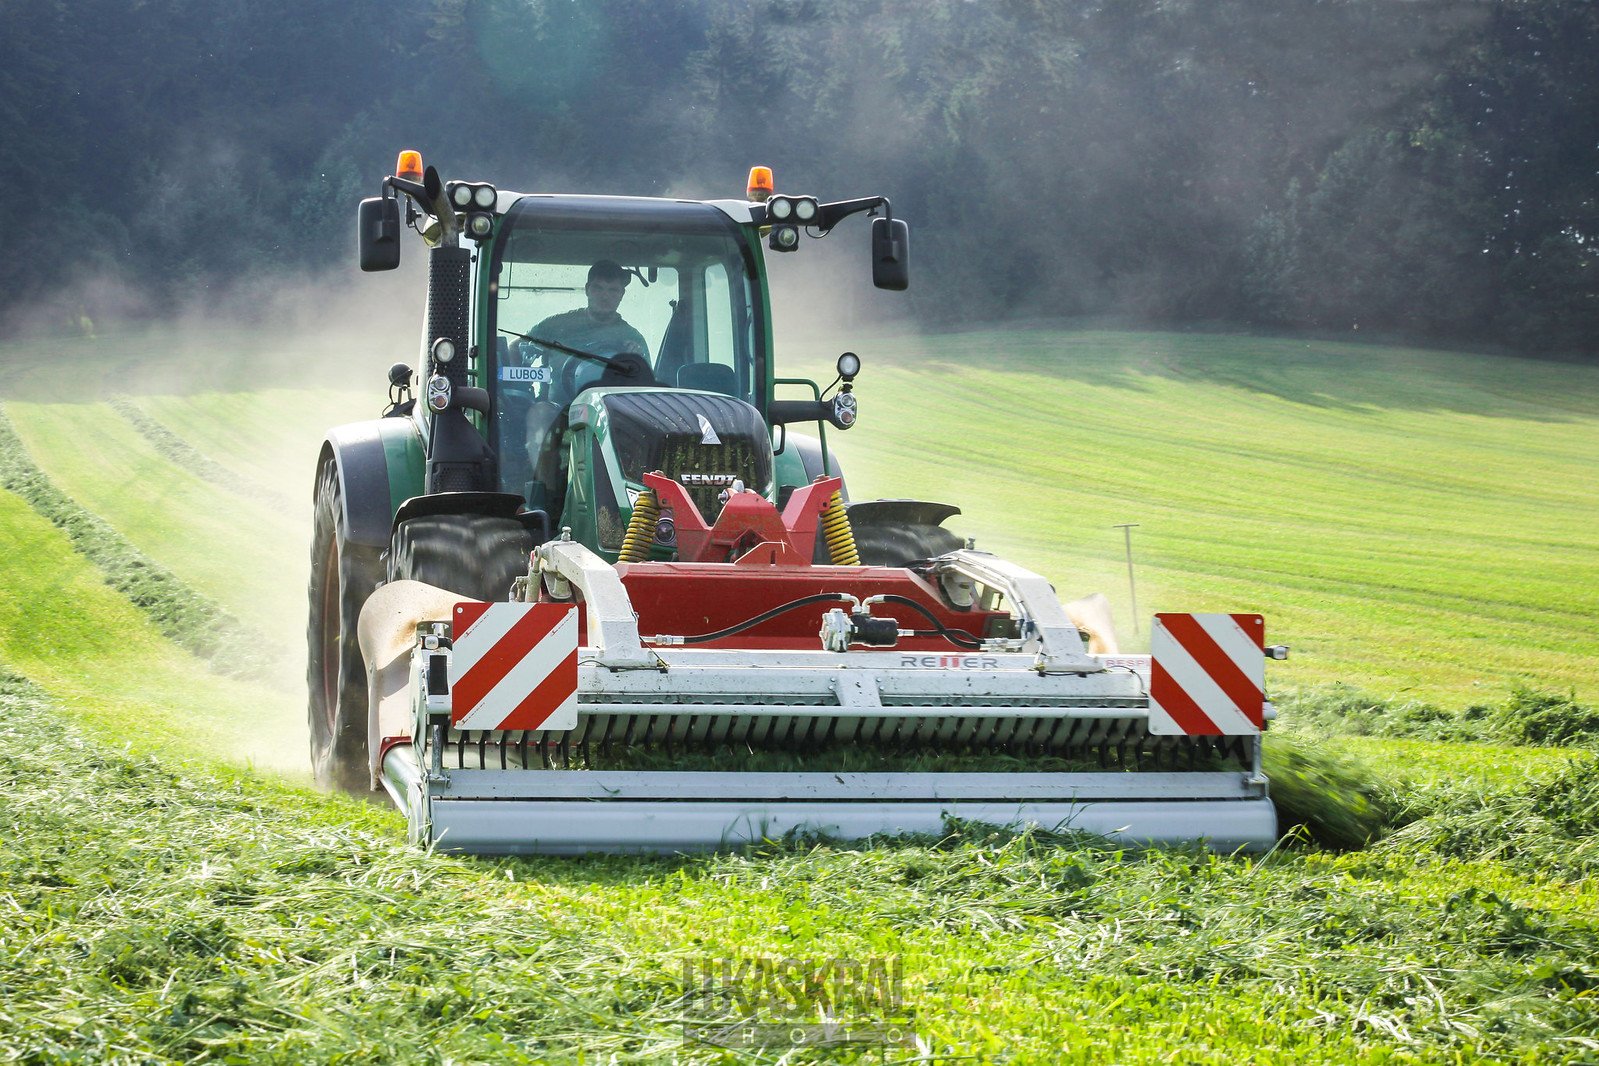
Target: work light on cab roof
{"type": "Point", "coordinates": [469, 194]}
{"type": "Point", "coordinates": [476, 200]}
{"type": "Point", "coordinates": [801, 209]}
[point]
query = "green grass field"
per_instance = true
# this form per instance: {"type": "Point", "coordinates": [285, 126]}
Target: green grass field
{"type": "Point", "coordinates": [1407, 521]}
{"type": "Point", "coordinates": [1418, 525]}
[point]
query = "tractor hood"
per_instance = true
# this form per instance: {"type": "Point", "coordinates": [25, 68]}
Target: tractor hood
{"type": "Point", "coordinates": [704, 440]}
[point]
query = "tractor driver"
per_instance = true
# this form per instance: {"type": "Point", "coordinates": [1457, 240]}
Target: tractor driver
{"type": "Point", "coordinates": [597, 328]}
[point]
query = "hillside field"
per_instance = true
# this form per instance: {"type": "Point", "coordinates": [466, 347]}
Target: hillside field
{"type": "Point", "coordinates": [1418, 526]}
{"type": "Point", "coordinates": [1407, 521]}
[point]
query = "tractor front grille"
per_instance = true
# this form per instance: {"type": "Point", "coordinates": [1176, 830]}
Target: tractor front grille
{"type": "Point", "coordinates": [705, 442]}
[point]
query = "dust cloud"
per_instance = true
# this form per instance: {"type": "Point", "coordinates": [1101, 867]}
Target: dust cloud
{"type": "Point", "coordinates": [237, 387]}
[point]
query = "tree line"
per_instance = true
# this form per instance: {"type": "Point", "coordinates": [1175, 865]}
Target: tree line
{"type": "Point", "coordinates": [1427, 169]}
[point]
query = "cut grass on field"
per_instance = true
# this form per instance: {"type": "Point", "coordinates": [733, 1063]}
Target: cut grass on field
{"type": "Point", "coordinates": [182, 454]}
{"type": "Point", "coordinates": [248, 556]}
{"type": "Point", "coordinates": [167, 909]}
{"type": "Point", "coordinates": [179, 913]}
{"type": "Point", "coordinates": [184, 616]}
{"type": "Point", "coordinates": [270, 438]}
{"type": "Point", "coordinates": [107, 664]}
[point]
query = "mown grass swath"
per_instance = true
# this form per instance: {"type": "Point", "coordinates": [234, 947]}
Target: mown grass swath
{"type": "Point", "coordinates": [182, 454]}
{"type": "Point", "coordinates": [113, 670]}
{"type": "Point", "coordinates": [248, 555]}
{"type": "Point", "coordinates": [182, 614]}
{"type": "Point", "coordinates": [184, 913]}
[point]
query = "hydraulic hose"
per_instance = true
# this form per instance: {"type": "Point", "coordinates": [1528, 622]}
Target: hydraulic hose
{"type": "Point", "coordinates": [958, 637]}
{"type": "Point", "coordinates": [765, 616]}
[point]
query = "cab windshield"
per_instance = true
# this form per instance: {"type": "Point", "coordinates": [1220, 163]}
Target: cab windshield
{"type": "Point", "coordinates": [618, 293]}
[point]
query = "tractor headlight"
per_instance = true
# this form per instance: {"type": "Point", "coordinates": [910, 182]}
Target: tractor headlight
{"type": "Point", "coordinates": [438, 392]}
{"type": "Point", "coordinates": [805, 209]}
{"type": "Point", "coordinates": [483, 196]}
{"type": "Point", "coordinates": [479, 226]}
{"type": "Point", "coordinates": [461, 195]}
{"type": "Point", "coordinates": [443, 350]}
{"type": "Point", "coordinates": [783, 239]}
{"type": "Point", "coordinates": [780, 208]}
{"type": "Point", "coordinates": [844, 410]}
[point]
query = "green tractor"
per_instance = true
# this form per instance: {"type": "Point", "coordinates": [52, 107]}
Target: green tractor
{"type": "Point", "coordinates": [517, 438]}
{"type": "Point", "coordinates": [586, 590]}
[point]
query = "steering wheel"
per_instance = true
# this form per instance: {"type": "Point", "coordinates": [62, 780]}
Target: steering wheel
{"type": "Point", "coordinates": [624, 370]}
{"type": "Point", "coordinates": [572, 371]}
{"type": "Point", "coordinates": [628, 370]}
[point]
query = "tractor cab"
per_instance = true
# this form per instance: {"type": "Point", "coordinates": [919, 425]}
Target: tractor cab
{"type": "Point", "coordinates": [573, 344]}
{"type": "Point", "coordinates": [643, 320]}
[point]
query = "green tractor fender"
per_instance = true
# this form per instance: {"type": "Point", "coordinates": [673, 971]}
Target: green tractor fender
{"type": "Point", "coordinates": [800, 463]}
{"type": "Point", "coordinates": [380, 465]}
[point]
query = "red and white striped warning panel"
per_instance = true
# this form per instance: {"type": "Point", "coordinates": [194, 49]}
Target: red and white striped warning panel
{"type": "Point", "coordinates": [514, 666]}
{"type": "Point", "coordinates": [1208, 675]}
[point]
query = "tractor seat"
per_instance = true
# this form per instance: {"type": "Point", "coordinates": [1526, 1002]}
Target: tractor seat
{"type": "Point", "coordinates": [708, 377]}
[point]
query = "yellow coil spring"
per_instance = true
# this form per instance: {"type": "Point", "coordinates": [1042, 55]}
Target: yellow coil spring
{"type": "Point", "coordinates": [640, 529]}
{"type": "Point", "coordinates": [840, 538]}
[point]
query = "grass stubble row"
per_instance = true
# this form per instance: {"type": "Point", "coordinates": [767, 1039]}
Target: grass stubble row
{"type": "Point", "coordinates": [185, 616]}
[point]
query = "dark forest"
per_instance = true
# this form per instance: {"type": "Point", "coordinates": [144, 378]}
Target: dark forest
{"type": "Point", "coordinates": [1424, 170]}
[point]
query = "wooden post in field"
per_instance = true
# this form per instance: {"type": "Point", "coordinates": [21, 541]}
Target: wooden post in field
{"type": "Point", "coordinates": [1132, 589]}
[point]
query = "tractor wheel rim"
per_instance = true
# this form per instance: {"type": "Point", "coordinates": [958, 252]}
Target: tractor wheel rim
{"type": "Point", "coordinates": [331, 644]}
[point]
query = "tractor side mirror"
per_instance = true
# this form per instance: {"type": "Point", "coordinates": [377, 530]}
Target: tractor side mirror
{"type": "Point", "coordinates": [378, 226]}
{"type": "Point", "coordinates": [891, 254]}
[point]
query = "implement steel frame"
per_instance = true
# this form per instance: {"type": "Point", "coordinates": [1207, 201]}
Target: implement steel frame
{"type": "Point", "coordinates": [690, 697]}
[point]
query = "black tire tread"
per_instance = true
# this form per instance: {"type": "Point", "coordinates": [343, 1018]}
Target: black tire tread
{"type": "Point", "coordinates": [338, 735]}
{"type": "Point", "coordinates": [473, 555]}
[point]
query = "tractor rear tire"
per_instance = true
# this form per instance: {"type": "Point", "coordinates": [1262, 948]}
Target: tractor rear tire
{"type": "Point", "coordinates": [343, 575]}
{"type": "Point", "coordinates": [901, 532]}
{"type": "Point", "coordinates": [475, 556]}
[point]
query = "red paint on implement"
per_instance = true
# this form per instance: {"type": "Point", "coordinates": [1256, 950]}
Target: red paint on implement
{"type": "Point", "coordinates": [1234, 683]}
{"type": "Point", "coordinates": [546, 699]}
{"type": "Point", "coordinates": [749, 529]}
{"type": "Point", "coordinates": [536, 623]}
{"type": "Point", "coordinates": [688, 599]}
{"type": "Point", "coordinates": [1177, 703]}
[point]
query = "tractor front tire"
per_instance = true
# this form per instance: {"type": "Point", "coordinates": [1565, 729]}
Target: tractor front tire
{"type": "Point", "coordinates": [476, 556]}
{"type": "Point", "coordinates": [343, 575]}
